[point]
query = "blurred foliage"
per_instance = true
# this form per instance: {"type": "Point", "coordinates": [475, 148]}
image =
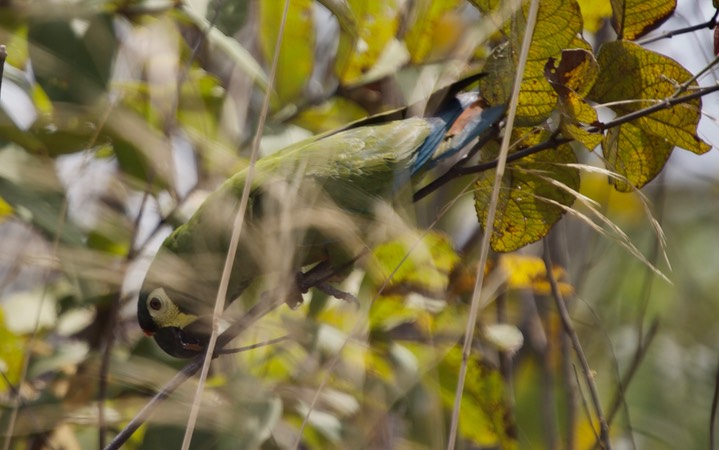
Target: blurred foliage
{"type": "Point", "coordinates": [135, 109]}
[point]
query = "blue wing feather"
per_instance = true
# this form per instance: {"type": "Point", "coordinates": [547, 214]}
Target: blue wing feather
{"type": "Point", "coordinates": [442, 122]}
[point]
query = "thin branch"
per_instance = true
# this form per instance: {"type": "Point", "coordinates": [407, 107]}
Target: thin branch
{"type": "Point", "coordinates": [585, 406]}
{"type": "Point", "coordinates": [713, 415]}
{"type": "Point", "coordinates": [491, 213]}
{"type": "Point", "coordinates": [639, 354]}
{"type": "Point", "coordinates": [458, 170]}
{"type": "Point", "coordinates": [3, 57]}
{"type": "Point", "coordinates": [548, 409]}
{"type": "Point", "coordinates": [236, 231]}
{"type": "Point", "coordinates": [569, 329]}
{"type": "Point", "coordinates": [139, 419]}
{"type": "Point", "coordinates": [61, 219]}
{"type": "Point", "coordinates": [666, 104]}
{"type": "Point", "coordinates": [250, 317]}
{"type": "Point", "coordinates": [571, 386]}
{"type": "Point", "coordinates": [710, 24]}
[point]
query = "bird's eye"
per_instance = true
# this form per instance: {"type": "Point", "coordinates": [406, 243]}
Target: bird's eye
{"type": "Point", "coordinates": [155, 303]}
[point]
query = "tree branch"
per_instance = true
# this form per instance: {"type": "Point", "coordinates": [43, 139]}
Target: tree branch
{"type": "Point", "coordinates": [264, 306]}
{"type": "Point", "coordinates": [710, 24]}
{"type": "Point", "coordinates": [569, 329]}
{"type": "Point", "coordinates": [458, 170]}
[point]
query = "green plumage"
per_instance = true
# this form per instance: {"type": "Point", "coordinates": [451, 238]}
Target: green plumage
{"type": "Point", "coordinates": [309, 202]}
{"type": "Point", "coordinates": [316, 201]}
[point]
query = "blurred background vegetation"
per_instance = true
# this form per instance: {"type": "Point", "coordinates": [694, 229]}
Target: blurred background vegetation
{"type": "Point", "coordinates": [118, 117]}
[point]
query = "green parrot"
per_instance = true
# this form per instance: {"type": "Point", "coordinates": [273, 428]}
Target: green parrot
{"type": "Point", "coordinates": [312, 204]}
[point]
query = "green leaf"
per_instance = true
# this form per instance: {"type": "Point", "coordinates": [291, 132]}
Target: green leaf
{"type": "Point", "coordinates": [12, 352]}
{"type": "Point", "coordinates": [377, 25]}
{"type": "Point", "coordinates": [571, 79]}
{"type": "Point", "coordinates": [435, 30]}
{"type": "Point", "coordinates": [635, 18]}
{"type": "Point", "coordinates": [530, 199]}
{"type": "Point", "coordinates": [332, 114]}
{"type": "Point", "coordinates": [72, 61]}
{"type": "Point", "coordinates": [630, 72]}
{"type": "Point", "coordinates": [223, 46]}
{"type": "Point", "coordinates": [414, 264]}
{"type": "Point", "coordinates": [594, 13]}
{"type": "Point", "coordinates": [30, 185]}
{"type": "Point", "coordinates": [558, 23]}
{"type": "Point", "coordinates": [636, 155]}
{"type": "Point", "coordinates": [66, 130]}
{"type": "Point", "coordinates": [485, 415]}
{"type": "Point", "coordinates": [296, 59]}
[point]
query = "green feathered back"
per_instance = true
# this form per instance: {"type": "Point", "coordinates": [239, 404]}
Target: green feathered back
{"type": "Point", "coordinates": [309, 201]}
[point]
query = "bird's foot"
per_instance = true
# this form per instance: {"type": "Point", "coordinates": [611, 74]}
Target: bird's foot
{"type": "Point", "coordinates": [317, 277]}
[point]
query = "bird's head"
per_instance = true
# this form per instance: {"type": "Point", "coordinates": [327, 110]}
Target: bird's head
{"type": "Point", "coordinates": [178, 332]}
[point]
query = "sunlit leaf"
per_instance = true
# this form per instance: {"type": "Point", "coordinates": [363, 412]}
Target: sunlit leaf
{"type": "Point", "coordinates": [572, 79]}
{"type": "Point", "coordinates": [634, 154]}
{"type": "Point", "coordinates": [630, 72]}
{"type": "Point", "coordinates": [531, 197]}
{"type": "Point", "coordinates": [558, 23]}
{"type": "Point", "coordinates": [12, 351]}
{"type": "Point", "coordinates": [435, 31]}
{"type": "Point", "coordinates": [334, 113]}
{"type": "Point", "coordinates": [296, 59]}
{"type": "Point", "coordinates": [635, 18]}
{"type": "Point", "coordinates": [529, 272]}
{"type": "Point", "coordinates": [505, 337]}
{"type": "Point", "coordinates": [72, 61]}
{"type": "Point", "coordinates": [484, 418]}
{"type": "Point", "coordinates": [594, 13]}
{"type": "Point", "coordinates": [377, 24]}
{"type": "Point", "coordinates": [409, 265]}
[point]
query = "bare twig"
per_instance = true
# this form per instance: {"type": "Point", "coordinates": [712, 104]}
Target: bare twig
{"type": "Point", "coordinates": [235, 238]}
{"type": "Point", "coordinates": [569, 329]}
{"type": "Point", "coordinates": [61, 219]}
{"type": "Point", "coordinates": [458, 170]}
{"type": "Point", "coordinates": [639, 354]}
{"type": "Point", "coordinates": [3, 56]}
{"type": "Point", "coordinates": [713, 415]}
{"type": "Point", "coordinates": [571, 386]}
{"type": "Point", "coordinates": [585, 406]}
{"type": "Point", "coordinates": [710, 24]}
{"type": "Point", "coordinates": [489, 227]}
{"type": "Point", "coordinates": [186, 372]}
{"type": "Point", "coordinates": [252, 315]}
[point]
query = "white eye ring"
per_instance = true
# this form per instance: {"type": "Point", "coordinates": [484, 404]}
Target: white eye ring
{"type": "Point", "coordinates": [157, 301]}
{"type": "Point", "coordinates": [164, 311]}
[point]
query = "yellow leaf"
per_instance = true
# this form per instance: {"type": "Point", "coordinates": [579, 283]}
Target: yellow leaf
{"type": "Point", "coordinates": [485, 416]}
{"type": "Point", "coordinates": [11, 353]}
{"type": "Point", "coordinates": [638, 156]}
{"type": "Point", "coordinates": [594, 13]}
{"type": "Point", "coordinates": [332, 114]}
{"type": "Point", "coordinates": [296, 59]}
{"type": "Point", "coordinates": [5, 209]}
{"type": "Point", "coordinates": [631, 72]}
{"type": "Point", "coordinates": [571, 79]}
{"type": "Point", "coordinates": [530, 201]}
{"type": "Point", "coordinates": [377, 24]}
{"type": "Point", "coordinates": [406, 265]}
{"type": "Point", "coordinates": [558, 23]}
{"type": "Point", "coordinates": [635, 18]}
{"type": "Point", "coordinates": [435, 31]}
{"type": "Point", "coordinates": [529, 272]}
